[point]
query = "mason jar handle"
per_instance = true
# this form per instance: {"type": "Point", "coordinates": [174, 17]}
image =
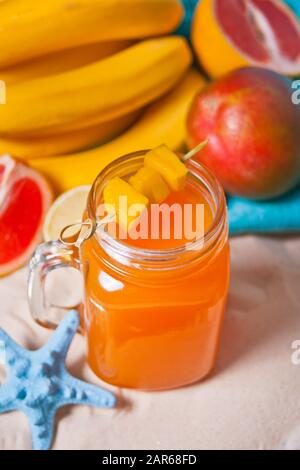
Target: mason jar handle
{"type": "Point", "coordinates": [48, 257]}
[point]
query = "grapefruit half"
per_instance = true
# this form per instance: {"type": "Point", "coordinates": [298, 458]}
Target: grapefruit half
{"type": "Point", "coordinates": [228, 34]}
{"type": "Point", "coordinates": [25, 196]}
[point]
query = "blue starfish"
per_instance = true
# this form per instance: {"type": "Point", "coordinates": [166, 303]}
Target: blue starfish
{"type": "Point", "coordinates": [38, 383]}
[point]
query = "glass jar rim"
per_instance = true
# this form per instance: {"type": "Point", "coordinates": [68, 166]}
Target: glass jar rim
{"type": "Point", "coordinates": [202, 173]}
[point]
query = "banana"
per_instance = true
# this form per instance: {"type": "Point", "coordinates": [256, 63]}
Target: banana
{"type": "Point", "coordinates": [103, 90]}
{"type": "Point", "coordinates": [61, 61]}
{"type": "Point", "coordinates": [68, 142]}
{"type": "Point", "coordinates": [32, 28]}
{"type": "Point", "coordinates": [163, 122]}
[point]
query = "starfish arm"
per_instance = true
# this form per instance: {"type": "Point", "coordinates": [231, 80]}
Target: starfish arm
{"type": "Point", "coordinates": [63, 335]}
{"type": "Point", "coordinates": [12, 350]}
{"type": "Point", "coordinates": [6, 409]}
{"type": "Point", "coordinates": [38, 382]}
{"type": "Point", "coordinates": [78, 392]}
{"type": "Point", "coordinates": [7, 403]}
{"type": "Point", "coordinates": [41, 428]}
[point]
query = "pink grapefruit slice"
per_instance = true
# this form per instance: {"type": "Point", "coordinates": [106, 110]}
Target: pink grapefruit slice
{"type": "Point", "coordinates": [25, 196]}
{"type": "Point", "coordinates": [228, 34]}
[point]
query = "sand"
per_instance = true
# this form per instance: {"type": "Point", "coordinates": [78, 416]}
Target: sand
{"type": "Point", "coordinates": [251, 401]}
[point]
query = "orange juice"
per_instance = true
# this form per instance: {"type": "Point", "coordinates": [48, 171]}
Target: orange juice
{"type": "Point", "coordinates": [154, 307]}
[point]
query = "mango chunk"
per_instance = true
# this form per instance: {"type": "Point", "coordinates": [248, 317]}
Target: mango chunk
{"type": "Point", "coordinates": [149, 183]}
{"type": "Point", "coordinates": [168, 165]}
{"type": "Point", "coordinates": [123, 200]}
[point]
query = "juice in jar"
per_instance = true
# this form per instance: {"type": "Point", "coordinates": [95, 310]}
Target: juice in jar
{"type": "Point", "coordinates": [154, 307]}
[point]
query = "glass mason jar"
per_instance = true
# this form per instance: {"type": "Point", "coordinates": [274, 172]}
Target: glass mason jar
{"type": "Point", "coordinates": [152, 318]}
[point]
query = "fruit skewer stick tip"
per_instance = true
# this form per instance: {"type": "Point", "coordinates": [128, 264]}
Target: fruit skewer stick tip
{"type": "Point", "coordinates": [194, 151]}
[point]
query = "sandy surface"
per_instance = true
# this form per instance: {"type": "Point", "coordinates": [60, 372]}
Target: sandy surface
{"type": "Point", "coordinates": [251, 401]}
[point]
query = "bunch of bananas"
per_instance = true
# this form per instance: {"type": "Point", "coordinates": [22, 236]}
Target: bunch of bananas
{"type": "Point", "coordinates": [96, 77]}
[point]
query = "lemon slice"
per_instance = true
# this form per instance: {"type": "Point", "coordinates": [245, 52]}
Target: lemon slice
{"type": "Point", "coordinates": [67, 209]}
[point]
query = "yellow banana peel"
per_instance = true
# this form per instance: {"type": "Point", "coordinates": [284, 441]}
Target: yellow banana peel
{"type": "Point", "coordinates": [32, 28]}
{"type": "Point", "coordinates": [65, 143]}
{"type": "Point", "coordinates": [104, 90]}
{"type": "Point", "coordinates": [163, 122]}
{"type": "Point", "coordinates": [61, 61]}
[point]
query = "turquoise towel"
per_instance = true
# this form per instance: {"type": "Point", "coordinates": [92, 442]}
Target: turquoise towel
{"type": "Point", "coordinates": [295, 5]}
{"type": "Point", "coordinates": [280, 215]}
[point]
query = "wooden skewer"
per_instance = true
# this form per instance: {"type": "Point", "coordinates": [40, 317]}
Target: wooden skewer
{"type": "Point", "coordinates": [195, 150]}
{"type": "Point", "coordinates": [108, 218]}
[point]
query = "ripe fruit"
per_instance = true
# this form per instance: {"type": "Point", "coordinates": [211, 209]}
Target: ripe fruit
{"type": "Point", "coordinates": [67, 142]}
{"type": "Point", "coordinates": [31, 28]}
{"type": "Point", "coordinates": [61, 61]}
{"type": "Point", "coordinates": [123, 201]}
{"type": "Point", "coordinates": [101, 91]}
{"type": "Point", "coordinates": [163, 121]}
{"type": "Point", "coordinates": [228, 34]}
{"type": "Point", "coordinates": [168, 165]}
{"type": "Point", "coordinates": [253, 130]}
{"type": "Point", "coordinates": [24, 198]}
{"type": "Point", "coordinates": [67, 209]}
{"type": "Point", "coordinates": [150, 183]}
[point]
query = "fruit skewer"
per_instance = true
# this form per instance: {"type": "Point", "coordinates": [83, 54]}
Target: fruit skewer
{"type": "Point", "coordinates": [135, 191]}
{"type": "Point", "coordinates": [162, 172]}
